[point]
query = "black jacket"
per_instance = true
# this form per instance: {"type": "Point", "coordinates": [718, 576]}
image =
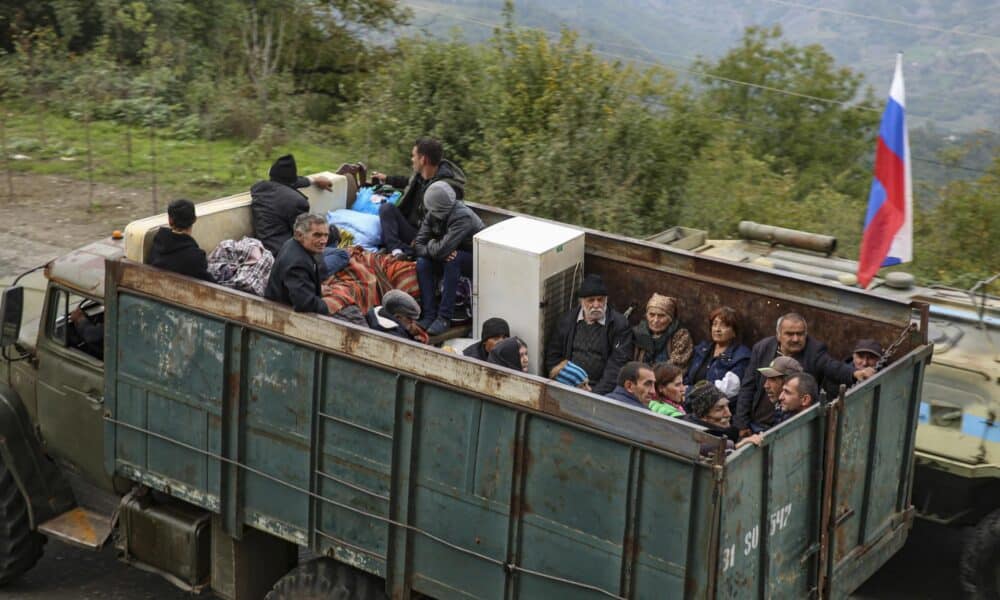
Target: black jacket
{"type": "Point", "coordinates": [617, 351]}
{"type": "Point", "coordinates": [476, 351]}
{"type": "Point", "coordinates": [274, 207]}
{"type": "Point", "coordinates": [751, 406]}
{"type": "Point", "coordinates": [438, 238]}
{"type": "Point", "coordinates": [412, 202]}
{"type": "Point", "coordinates": [178, 252]}
{"type": "Point", "coordinates": [295, 280]}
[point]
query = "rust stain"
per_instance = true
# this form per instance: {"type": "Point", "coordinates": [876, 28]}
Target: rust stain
{"type": "Point", "coordinates": [566, 437]}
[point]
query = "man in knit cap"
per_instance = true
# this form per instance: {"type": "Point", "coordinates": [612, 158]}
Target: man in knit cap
{"type": "Point", "coordinates": [443, 247]}
{"type": "Point", "coordinates": [594, 336]}
{"type": "Point", "coordinates": [495, 330]}
{"type": "Point", "coordinates": [275, 203]}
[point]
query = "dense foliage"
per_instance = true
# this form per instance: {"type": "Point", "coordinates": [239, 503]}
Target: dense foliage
{"type": "Point", "coordinates": [542, 125]}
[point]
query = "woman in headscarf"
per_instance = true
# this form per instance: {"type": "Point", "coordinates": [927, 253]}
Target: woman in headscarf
{"type": "Point", "coordinates": [511, 353]}
{"type": "Point", "coordinates": [661, 337]}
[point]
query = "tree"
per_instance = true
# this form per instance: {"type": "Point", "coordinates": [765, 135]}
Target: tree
{"type": "Point", "coordinates": [820, 129]}
{"type": "Point", "coordinates": [955, 241]}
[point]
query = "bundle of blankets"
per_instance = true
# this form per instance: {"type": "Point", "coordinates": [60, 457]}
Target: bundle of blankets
{"type": "Point", "coordinates": [245, 265]}
{"type": "Point", "coordinates": [366, 278]}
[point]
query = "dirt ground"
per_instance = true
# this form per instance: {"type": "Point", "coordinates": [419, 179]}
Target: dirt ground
{"type": "Point", "coordinates": [50, 215]}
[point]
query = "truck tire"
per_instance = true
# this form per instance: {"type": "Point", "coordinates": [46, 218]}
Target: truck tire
{"type": "Point", "coordinates": [20, 547]}
{"type": "Point", "coordinates": [980, 566]}
{"type": "Point", "coordinates": [325, 578]}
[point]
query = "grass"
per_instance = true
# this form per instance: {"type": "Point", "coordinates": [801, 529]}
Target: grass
{"type": "Point", "coordinates": [196, 169]}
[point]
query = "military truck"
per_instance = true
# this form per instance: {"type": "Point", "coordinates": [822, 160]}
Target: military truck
{"type": "Point", "coordinates": [218, 435]}
{"type": "Point", "coordinates": [957, 480]}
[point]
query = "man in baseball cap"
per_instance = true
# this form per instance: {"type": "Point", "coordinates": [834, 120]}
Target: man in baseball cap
{"type": "Point", "coordinates": [775, 374]}
{"type": "Point", "coordinates": [866, 354]}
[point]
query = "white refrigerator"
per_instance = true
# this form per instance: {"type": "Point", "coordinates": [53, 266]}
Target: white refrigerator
{"type": "Point", "coordinates": [526, 272]}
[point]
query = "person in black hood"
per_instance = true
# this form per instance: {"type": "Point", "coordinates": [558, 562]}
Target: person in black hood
{"type": "Point", "coordinates": [173, 247]}
{"type": "Point", "coordinates": [276, 203]}
{"type": "Point", "coordinates": [495, 330]}
{"type": "Point", "coordinates": [401, 224]}
{"type": "Point", "coordinates": [511, 353]}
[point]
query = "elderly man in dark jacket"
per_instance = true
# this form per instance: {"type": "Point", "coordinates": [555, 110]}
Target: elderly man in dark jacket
{"type": "Point", "coordinates": [401, 224]}
{"type": "Point", "coordinates": [295, 277]}
{"type": "Point", "coordinates": [754, 413]}
{"type": "Point", "coordinates": [173, 247]}
{"type": "Point", "coordinates": [274, 204]}
{"type": "Point", "coordinates": [593, 336]}
{"type": "Point", "coordinates": [444, 248]}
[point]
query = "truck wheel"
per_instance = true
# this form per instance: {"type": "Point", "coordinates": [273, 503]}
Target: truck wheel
{"type": "Point", "coordinates": [980, 567]}
{"type": "Point", "coordinates": [325, 578]}
{"type": "Point", "coordinates": [20, 547]}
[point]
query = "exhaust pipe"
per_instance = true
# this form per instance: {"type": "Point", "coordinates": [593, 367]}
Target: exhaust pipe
{"type": "Point", "coordinates": [793, 238]}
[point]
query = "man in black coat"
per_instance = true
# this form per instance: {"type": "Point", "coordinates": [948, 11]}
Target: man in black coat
{"type": "Point", "coordinates": [173, 247]}
{"type": "Point", "coordinates": [754, 413]}
{"type": "Point", "coordinates": [295, 277]}
{"type": "Point", "coordinates": [494, 331]}
{"type": "Point", "coordinates": [593, 336]}
{"type": "Point", "coordinates": [274, 204]}
{"type": "Point", "coordinates": [401, 224]}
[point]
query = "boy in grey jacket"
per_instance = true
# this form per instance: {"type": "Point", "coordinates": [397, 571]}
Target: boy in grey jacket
{"type": "Point", "coordinates": [443, 247]}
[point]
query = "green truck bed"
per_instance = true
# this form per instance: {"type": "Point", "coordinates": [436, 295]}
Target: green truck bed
{"type": "Point", "coordinates": [455, 479]}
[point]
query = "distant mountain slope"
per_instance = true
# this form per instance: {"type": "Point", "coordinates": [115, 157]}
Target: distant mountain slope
{"type": "Point", "coordinates": [952, 81]}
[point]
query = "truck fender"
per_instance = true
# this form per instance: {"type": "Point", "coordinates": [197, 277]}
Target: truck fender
{"type": "Point", "coordinates": [46, 492]}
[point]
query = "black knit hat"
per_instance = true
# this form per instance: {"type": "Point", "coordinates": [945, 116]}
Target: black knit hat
{"type": "Point", "coordinates": [702, 397]}
{"type": "Point", "coordinates": [592, 285]}
{"type": "Point", "coordinates": [283, 170]}
{"type": "Point", "coordinates": [495, 327]}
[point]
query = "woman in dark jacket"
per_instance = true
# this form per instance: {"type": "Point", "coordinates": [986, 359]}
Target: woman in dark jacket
{"type": "Point", "coordinates": [714, 358]}
{"type": "Point", "coordinates": [661, 337]}
{"type": "Point", "coordinates": [511, 353]}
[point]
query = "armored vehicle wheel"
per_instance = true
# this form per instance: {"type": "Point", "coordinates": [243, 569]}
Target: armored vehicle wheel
{"type": "Point", "coordinates": [20, 547]}
{"type": "Point", "coordinates": [325, 578]}
{"type": "Point", "coordinates": [980, 568]}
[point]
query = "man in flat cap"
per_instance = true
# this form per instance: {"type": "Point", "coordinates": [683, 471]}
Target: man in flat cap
{"type": "Point", "coordinates": [866, 354]}
{"type": "Point", "coordinates": [397, 315]}
{"type": "Point", "coordinates": [594, 336]}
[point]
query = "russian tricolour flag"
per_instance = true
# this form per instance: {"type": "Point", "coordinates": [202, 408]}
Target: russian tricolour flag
{"type": "Point", "coordinates": [888, 236]}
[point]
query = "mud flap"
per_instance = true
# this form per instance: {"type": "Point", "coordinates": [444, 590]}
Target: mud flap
{"type": "Point", "coordinates": [46, 492]}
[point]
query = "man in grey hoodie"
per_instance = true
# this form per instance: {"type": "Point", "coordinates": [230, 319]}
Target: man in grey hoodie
{"type": "Point", "coordinates": [443, 247]}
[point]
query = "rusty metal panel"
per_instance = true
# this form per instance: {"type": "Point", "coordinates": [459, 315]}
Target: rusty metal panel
{"type": "Point", "coordinates": [874, 469]}
{"type": "Point", "coordinates": [280, 378]}
{"type": "Point", "coordinates": [169, 381]}
{"type": "Point", "coordinates": [831, 319]}
{"type": "Point", "coordinates": [354, 445]}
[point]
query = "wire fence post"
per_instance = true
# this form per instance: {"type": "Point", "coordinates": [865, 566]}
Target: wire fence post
{"type": "Point", "coordinates": [6, 155]}
{"type": "Point", "coordinates": [152, 156]}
